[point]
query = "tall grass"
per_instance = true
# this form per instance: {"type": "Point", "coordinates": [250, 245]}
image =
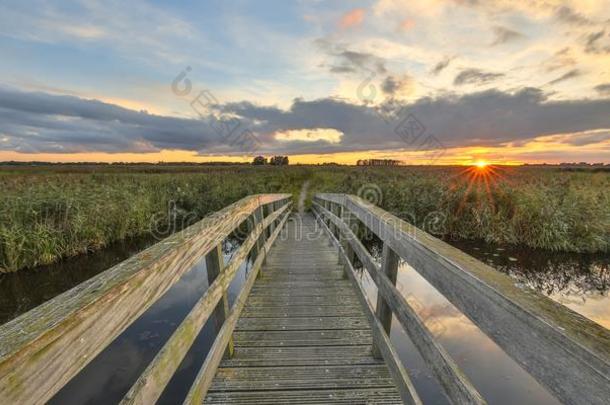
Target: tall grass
{"type": "Point", "coordinates": [44, 217]}
{"type": "Point", "coordinates": [536, 207]}
{"type": "Point", "coordinates": [47, 214]}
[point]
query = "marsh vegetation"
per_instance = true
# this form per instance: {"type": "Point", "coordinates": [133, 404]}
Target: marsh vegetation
{"type": "Point", "coordinates": [52, 212]}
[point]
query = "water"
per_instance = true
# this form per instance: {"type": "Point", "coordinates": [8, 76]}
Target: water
{"type": "Point", "coordinates": [578, 281]}
{"type": "Point", "coordinates": [107, 378]}
{"type": "Point", "coordinates": [26, 289]}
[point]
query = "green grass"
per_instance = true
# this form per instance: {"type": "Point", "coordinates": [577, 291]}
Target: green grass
{"type": "Point", "coordinates": [47, 213]}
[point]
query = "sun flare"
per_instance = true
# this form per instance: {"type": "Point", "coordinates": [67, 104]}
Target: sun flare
{"type": "Point", "coordinates": [481, 164]}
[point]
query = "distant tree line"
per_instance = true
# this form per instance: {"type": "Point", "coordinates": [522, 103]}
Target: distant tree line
{"type": "Point", "coordinates": [274, 160]}
{"type": "Point", "coordinates": [378, 162]}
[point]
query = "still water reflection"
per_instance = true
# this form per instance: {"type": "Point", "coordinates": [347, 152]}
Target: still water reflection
{"type": "Point", "coordinates": [497, 377]}
{"type": "Point", "coordinates": [580, 282]}
{"type": "Point", "coordinates": [112, 373]}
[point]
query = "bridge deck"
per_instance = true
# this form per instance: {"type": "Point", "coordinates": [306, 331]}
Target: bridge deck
{"type": "Point", "coordinates": [303, 336]}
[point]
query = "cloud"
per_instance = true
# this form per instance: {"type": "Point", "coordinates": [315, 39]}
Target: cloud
{"type": "Point", "coordinates": [475, 76]}
{"type": "Point", "coordinates": [329, 135]}
{"type": "Point", "coordinates": [566, 76]}
{"type": "Point", "coordinates": [567, 15]}
{"type": "Point", "coordinates": [440, 66]}
{"type": "Point", "coordinates": [40, 122]}
{"type": "Point", "coordinates": [562, 58]}
{"type": "Point", "coordinates": [349, 61]}
{"type": "Point", "coordinates": [393, 86]}
{"type": "Point", "coordinates": [593, 45]}
{"type": "Point", "coordinates": [504, 35]}
{"type": "Point", "coordinates": [352, 18]}
{"type": "Point", "coordinates": [603, 89]}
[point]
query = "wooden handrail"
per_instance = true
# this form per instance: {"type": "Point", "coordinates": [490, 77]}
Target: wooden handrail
{"type": "Point", "coordinates": [567, 353]}
{"type": "Point", "coordinates": [151, 383]}
{"type": "Point", "coordinates": [405, 387]}
{"type": "Point", "coordinates": [42, 350]}
{"type": "Point", "coordinates": [204, 377]}
{"type": "Point", "coordinates": [453, 380]}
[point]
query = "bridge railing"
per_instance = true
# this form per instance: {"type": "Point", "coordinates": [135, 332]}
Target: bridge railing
{"type": "Point", "coordinates": [565, 352]}
{"type": "Point", "coordinates": [43, 349]}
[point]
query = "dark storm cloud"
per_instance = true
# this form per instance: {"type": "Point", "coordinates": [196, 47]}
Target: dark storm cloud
{"type": "Point", "coordinates": [37, 122]}
{"type": "Point", "coordinates": [475, 76]}
{"type": "Point", "coordinates": [504, 35]}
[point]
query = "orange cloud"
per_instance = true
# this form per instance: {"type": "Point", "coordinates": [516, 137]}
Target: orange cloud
{"type": "Point", "coordinates": [352, 18]}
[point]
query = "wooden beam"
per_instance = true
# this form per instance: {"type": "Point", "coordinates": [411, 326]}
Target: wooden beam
{"type": "Point", "coordinates": [389, 267]}
{"type": "Point", "coordinates": [151, 383]}
{"type": "Point", "coordinates": [214, 264]}
{"type": "Point", "coordinates": [41, 350]}
{"type": "Point", "coordinates": [452, 379]}
{"type": "Point", "coordinates": [405, 387]}
{"type": "Point", "coordinates": [564, 351]}
{"type": "Point", "coordinates": [204, 377]}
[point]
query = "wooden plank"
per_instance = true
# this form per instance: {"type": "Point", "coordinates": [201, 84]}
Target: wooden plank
{"type": "Point", "coordinates": [41, 350]}
{"type": "Point", "coordinates": [301, 356]}
{"type": "Point", "coordinates": [299, 378]}
{"type": "Point", "coordinates": [205, 376]}
{"type": "Point", "coordinates": [564, 351]}
{"type": "Point", "coordinates": [327, 323]}
{"type": "Point", "coordinates": [301, 311]}
{"type": "Point", "coordinates": [452, 379]}
{"type": "Point", "coordinates": [359, 396]}
{"type": "Point", "coordinates": [303, 338]}
{"type": "Point", "coordinates": [308, 300]}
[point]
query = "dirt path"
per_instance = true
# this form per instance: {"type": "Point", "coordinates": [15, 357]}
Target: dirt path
{"type": "Point", "coordinates": [303, 196]}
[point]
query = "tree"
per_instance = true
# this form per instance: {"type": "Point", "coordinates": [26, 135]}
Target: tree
{"type": "Point", "coordinates": [259, 160]}
{"type": "Point", "coordinates": [279, 160]}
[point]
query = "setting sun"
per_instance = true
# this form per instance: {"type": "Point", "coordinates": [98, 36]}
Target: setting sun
{"type": "Point", "coordinates": [481, 164]}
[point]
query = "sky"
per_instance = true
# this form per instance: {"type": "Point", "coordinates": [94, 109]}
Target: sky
{"type": "Point", "coordinates": [424, 81]}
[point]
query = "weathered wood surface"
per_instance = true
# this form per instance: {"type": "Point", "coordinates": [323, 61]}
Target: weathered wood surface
{"type": "Point", "coordinates": [382, 345]}
{"type": "Point", "coordinates": [567, 353]}
{"type": "Point", "coordinates": [452, 379]}
{"type": "Point", "coordinates": [285, 355]}
{"type": "Point", "coordinates": [151, 383]}
{"type": "Point", "coordinates": [204, 377]}
{"type": "Point", "coordinates": [43, 349]}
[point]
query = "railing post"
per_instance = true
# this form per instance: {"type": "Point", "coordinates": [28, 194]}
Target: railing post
{"type": "Point", "coordinates": [389, 267]}
{"type": "Point", "coordinates": [214, 263]}
{"type": "Point", "coordinates": [348, 218]}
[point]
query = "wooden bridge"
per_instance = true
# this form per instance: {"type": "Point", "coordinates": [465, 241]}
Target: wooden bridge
{"type": "Point", "coordinates": [301, 329]}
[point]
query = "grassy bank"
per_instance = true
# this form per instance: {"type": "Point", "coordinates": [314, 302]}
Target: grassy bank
{"type": "Point", "coordinates": [51, 212]}
{"type": "Point", "coordinates": [46, 215]}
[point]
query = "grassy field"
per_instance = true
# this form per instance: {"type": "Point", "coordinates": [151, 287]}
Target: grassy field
{"type": "Point", "coordinates": [50, 212]}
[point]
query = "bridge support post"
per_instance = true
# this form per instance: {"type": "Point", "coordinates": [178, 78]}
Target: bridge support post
{"type": "Point", "coordinates": [214, 263]}
{"type": "Point", "coordinates": [389, 267]}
